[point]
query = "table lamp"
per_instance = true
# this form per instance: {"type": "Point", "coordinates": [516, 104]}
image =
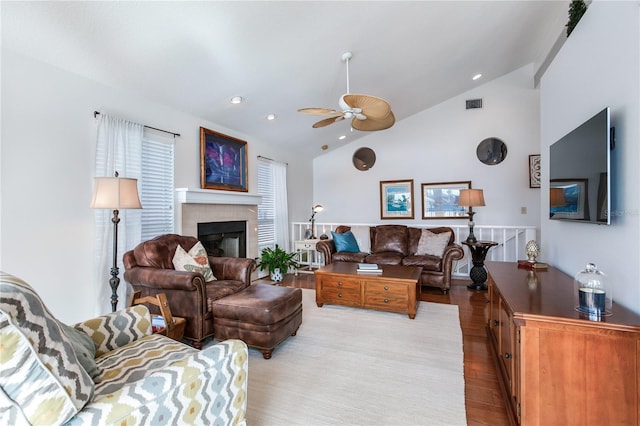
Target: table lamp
{"type": "Point", "coordinates": [471, 198]}
{"type": "Point", "coordinates": [315, 209]}
{"type": "Point", "coordinates": [115, 193]}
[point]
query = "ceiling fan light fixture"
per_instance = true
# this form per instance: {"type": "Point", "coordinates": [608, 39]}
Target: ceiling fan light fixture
{"type": "Point", "coordinates": [376, 112]}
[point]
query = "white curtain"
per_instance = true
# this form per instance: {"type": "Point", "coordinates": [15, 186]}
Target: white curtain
{"type": "Point", "coordinates": [118, 148]}
{"type": "Point", "coordinates": [281, 207]}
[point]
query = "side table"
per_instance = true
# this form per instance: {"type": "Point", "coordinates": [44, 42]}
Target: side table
{"type": "Point", "coordinates": [312, 256]}
{"type": "Point", "coordinates": [478, 273]}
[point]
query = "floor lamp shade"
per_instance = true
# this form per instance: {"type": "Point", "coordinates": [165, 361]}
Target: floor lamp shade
{"type": "Point", "coordinates": [115, 193]}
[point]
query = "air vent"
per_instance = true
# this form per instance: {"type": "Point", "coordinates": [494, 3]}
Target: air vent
{"type": "Point", "coordinates": [474, 103]}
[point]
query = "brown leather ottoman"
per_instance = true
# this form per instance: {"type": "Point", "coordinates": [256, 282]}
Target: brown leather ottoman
{"type": "Point", "coordinates": [261, 315]}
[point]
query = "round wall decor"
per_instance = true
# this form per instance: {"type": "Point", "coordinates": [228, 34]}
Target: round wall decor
{"type": "Point", "coordinates": [491, 151]}
{"type": "Point", "coordinates": [364, 159]}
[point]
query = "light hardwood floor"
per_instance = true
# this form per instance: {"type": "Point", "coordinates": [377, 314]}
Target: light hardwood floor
{"type": "Point", "coordinates": [485, 405]}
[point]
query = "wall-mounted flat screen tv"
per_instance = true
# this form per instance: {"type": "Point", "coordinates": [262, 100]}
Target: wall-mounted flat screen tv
{"type": "Point", "coordinates": [579, 173]}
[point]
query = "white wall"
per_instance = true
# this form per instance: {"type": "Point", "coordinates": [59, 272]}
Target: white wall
{"type": "Point", "coordinates": [598, 66]}
{"type": "Point", "coordinates": [47, 162]}
{"type": "Point", "coordinates": [439, 145]}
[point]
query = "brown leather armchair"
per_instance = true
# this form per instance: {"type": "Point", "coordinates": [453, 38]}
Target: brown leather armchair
{"type": "Point", "coordinates": [396, 245]}
{"type": "Point", "coordinates": [149, 269]}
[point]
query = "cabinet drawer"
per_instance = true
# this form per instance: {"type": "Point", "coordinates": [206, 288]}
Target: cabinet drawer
{"type": "Point", "coordinates": [386, 295]}
{"type": "Point", "coordinates": [340, 290]}
{"type": "Point", "coordinates": [301, 245]}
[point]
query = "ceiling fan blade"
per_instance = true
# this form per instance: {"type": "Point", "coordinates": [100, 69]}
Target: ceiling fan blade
{"type": "Point", "coordinates": [320, 111]}
{"type": "Point", "coordinates": [372, 124]}
{"type": "Point", "coordinates": [328, 121]}
{"type": "Point", "coordinates": [371, 106]}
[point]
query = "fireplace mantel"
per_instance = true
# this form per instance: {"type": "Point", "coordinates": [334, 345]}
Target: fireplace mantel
{"type": "Point", "coordinates": [195, 206]}
{"type": "Point", "coordinates": [204, 196]}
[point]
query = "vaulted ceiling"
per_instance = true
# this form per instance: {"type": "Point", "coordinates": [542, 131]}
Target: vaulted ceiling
{"type": "Point", "coordinates": [284, 55]}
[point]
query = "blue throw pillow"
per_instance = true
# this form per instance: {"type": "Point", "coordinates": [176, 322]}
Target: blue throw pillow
{"type": "Point", "coordinates": [345, 242]}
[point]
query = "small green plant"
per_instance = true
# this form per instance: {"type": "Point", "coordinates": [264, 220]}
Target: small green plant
{"type": "Point", "coordinates": [576, 10]}
{"type": "Point", "coordinates": [270, 259]}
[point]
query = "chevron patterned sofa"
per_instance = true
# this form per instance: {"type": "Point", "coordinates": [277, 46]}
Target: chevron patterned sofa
{"type": "Point", "coordinates": [110, 370]}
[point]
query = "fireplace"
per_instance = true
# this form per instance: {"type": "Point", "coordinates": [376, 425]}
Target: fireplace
{"type": "Point", "coordinates": [224, 239]}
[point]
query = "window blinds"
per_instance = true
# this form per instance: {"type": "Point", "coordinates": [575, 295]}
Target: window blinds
{"type": "Point", "coordinates": [156, 185]}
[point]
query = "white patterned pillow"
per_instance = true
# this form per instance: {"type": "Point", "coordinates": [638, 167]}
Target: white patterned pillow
{"type": "Point", "coordinates": [39, 370]}
{"type": "Point", "coordinates": [432, 244]}
{"type": "Point", "coordinates": [196, 260]}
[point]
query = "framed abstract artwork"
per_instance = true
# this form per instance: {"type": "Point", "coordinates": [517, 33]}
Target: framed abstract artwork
{"type": "Point", "coordinates": [223, 162]}
{"type": "Point", "coordinates": [534, 171]}
{"type": "Point", "coordinates": [396, 199]}
{"type": "Point", "coordinates": [440, 200]}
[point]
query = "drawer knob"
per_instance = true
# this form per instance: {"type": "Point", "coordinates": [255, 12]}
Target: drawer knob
{"type": "Point", "coordinates": [339, 294]}
{"type": "Point", "coordinates": [386, 287]}
{"type": "Point", "coordinates": [386, 300]}
{"type": "Point", "coordinates": [340, 283]}
{"type": "Point", "coordinates": [507, 355]}
{"type": "Point", "coordinates": [496, 323]}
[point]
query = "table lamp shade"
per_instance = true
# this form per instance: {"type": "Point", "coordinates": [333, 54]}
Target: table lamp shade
{"type": "Point", "coordinates": [471, 198]}
{"type": "Point", "coordinates": [115, 193]}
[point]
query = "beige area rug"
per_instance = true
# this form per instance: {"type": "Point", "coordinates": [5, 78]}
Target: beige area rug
{"type": "Point", "coordinates": [350, 366]}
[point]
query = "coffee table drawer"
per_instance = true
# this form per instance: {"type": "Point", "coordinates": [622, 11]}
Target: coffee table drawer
{"type": "Point", "coordinates": [339, 290]}
{"type": "Point", "coordinates": [386, 295]}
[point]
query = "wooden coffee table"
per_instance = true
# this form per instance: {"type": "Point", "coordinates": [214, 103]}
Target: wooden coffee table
{"type": "Point", "coordinates": [396, 289]}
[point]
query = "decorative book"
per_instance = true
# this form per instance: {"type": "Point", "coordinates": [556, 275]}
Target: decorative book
{"type": "Point", "coordinates": [368, 266]}
{"type": "Point", "coordinates": [532, 265]}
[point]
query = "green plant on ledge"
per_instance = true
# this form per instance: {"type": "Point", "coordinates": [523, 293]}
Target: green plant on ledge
{"type": "Point", "coordinates": [272, 259]}
{"type": "Point", "coordinates": [576, 10]}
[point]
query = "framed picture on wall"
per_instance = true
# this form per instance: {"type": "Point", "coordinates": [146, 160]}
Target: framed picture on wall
{"type": "Point", "coordinates": [440, 200]}
{"type": "Point", "coordinates": [223, 162]}
{"type": "Point", "coordinates": [534, 171]}
{"type": "Point", "coordinates": [396, 199]}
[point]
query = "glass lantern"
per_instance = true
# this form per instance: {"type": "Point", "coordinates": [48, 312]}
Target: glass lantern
{"type": "Point", "coordinates": [592, 292]}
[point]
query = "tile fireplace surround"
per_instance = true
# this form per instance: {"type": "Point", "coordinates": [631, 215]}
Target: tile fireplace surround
{"type": "Point", "coordinates": [195, 206]}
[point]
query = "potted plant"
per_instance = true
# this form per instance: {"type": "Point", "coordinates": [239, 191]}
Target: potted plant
{"type": "Point", "coordinates": [277, 262]}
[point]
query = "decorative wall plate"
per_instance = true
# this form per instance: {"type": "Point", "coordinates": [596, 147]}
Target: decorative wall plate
{"type": "Point", "coordinates": [491, 151]}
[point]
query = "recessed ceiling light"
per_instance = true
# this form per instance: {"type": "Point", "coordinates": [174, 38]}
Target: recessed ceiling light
{"type": "Point", "coordinates": [477, 76]}
{"type": "Point", "coordinates": [325, 147]}
{"type": "Point", "coordinates": [271, 117]}
{"type": "Point", "coordinates": [236, 99]}
{"type": "Point", "coordinates": [342, 137]}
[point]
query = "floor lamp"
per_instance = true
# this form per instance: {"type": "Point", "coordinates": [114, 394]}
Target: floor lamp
{"type": "Point", "coordinates": [115, 193]}
{"type": "Point", "coordinates": [471, 198]}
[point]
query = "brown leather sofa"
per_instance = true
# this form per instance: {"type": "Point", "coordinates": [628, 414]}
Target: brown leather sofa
{"type": "Point", "coordinates": [397, 245]}
{"type": "Point", "coordinates": [149, 268]}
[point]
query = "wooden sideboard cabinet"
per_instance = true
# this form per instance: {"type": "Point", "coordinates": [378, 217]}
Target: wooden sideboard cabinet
{"type": "Point", "coordinates": [557, 367]}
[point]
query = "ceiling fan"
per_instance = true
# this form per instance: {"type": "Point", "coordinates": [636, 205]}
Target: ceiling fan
{"type": "Point", "coordinates": [367, 113]}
